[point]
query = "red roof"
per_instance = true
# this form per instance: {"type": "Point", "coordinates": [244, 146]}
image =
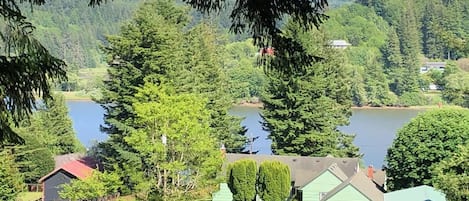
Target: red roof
{"type": "Point", "coordinates": [75, 167]}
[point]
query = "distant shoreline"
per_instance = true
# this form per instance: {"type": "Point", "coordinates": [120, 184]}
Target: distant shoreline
{"type": "Point", "coordinates": [72, 96]}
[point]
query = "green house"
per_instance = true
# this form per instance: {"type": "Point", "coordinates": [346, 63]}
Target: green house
{"type": "Point", "coordinates": [324, 182]}
{"type": "Point", "coordinates": [312, 177]}
{"type": "Point", "coordinates": [419, 193]}
{"type": "Point", "coordinates": [356, 188]}
{"type": "Point", "coordinates": [224, 194]}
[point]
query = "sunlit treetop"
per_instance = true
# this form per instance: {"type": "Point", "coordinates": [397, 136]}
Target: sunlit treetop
{"type": "Point", "coordinates": [261, 18]}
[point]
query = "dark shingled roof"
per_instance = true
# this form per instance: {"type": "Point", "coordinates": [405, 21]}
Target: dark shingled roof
{"type": "Point", "coordinates": [303, 169]}
{"type": "Point", "coordinates": [360, 182]}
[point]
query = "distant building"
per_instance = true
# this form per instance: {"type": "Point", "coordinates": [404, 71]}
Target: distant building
{"type": "Point", "coordinates": [427, 66]}
{"type": "Point", "coordinates": [339, 44]}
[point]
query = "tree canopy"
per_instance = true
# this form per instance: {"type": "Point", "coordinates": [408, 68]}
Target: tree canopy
{"type": "Point", "coordinates": [241, 178]}
{"type": "Point", "coordinates": [451, 174]}
{"type": "Point", "coordinates": [422, 143]}
{"type": "Point", "coordinates": [26, 67]}
{"type": "Point", "coordinates": [302, 111]}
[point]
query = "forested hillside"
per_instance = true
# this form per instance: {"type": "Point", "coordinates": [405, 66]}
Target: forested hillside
{"type": "Point", "coordinates": [73, 31]}
{"type": "Point", "coordinates": [390, 41]}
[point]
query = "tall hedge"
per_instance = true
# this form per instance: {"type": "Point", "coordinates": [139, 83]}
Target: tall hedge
{"type": "Point", "coordinates": [241, 179]}
{"type": "Point", "coordinates": [273, 181]}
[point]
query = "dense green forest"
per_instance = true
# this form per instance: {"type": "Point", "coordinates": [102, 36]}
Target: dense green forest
{"type": "Point", "coordinates": [390, 42]}
{"type": "Point", "coordinates": [168, 76]}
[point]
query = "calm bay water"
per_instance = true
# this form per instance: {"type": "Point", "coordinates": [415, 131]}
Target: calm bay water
{"type": "Point", "coordinates": [375, 129]}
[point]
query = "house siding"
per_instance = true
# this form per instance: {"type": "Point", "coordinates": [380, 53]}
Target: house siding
{"type": "Point", "coordinates": [52, 185]}
{"type": "Point", "coordinates": [323, 183]}
{"type": "Point", "coordinates": [349, 193]}
{"type": "Point", "coordinates": [224, 194]}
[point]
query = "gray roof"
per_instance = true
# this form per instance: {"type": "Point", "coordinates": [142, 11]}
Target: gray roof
{"type": "Point", "coordinates": [303, 168]}
{"type": "Point", "coordinates": [339, 43]}
{"type": "Point", "coordinates": [434, 64]}
{"type": "Point", "coordinates": [360, 182]}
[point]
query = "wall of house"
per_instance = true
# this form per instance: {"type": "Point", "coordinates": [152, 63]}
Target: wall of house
{"type": "Point", "coordinates": [52, 185]}
{"type": "Point", "coordinates": [323, 183]}
{"type": "Point", "coordinates": [349, 193]}
{"type": "Point", "coordinates": [224, 194]}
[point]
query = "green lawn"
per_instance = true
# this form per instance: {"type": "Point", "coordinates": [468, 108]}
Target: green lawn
{"type": "Point", "coordinates": [29, 196]}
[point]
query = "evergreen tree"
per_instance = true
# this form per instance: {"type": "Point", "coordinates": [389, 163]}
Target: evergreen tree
{"type": "Point", "coordinates": [11, 182]}
{"type": "Point", "coordinates": [433, 46]}
{"type": "Point", "coordinates": [57, 124]}
{"type": "Point", "coordinates": [241, 179]}
{"type": "Point", "coordinates": [302, 112]}
{"type": "Point", "coordinates": [204, 75]}
{"type": "Point", "coordinates": [34, 159]}
{"type": "Point", "coordinates": [148, 46]}
{"type": "Point", "coordinates": [410, 48]}
{"type": "Point", "coordinates": [358, 86]}
{"type": "Point", "coordinates": [273, 181]}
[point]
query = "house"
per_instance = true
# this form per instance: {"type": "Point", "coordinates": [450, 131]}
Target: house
{"type": "Point", "coordinates": [314, 178]}
{"type": "Point", "coordinates": [51, 183]}
{"type": "Point", "coordinates": [339, 44]}
{"type": "Point", "coordinates": [356, 188]}
{"type": "Point", "coordinates": [427, 66]}
{"type": "Point", "coordinates": [422, 193]}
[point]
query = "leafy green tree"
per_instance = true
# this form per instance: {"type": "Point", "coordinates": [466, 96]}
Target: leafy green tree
{"type": "Point", "coordinates": [179, 155]}
{"type": "Point", "coordinates": [241, 179]}
{"type": "Point", "coordinates": [451, 175]}
{"type": "Point", "coordinates": [422, 143]}
{"type": "Point", "coordinates": [456, 89]}
{"type": "Point", "coordinates": [302, 112]}
{"type": "Point", "coordinates": [273, 181]}
{"type": "Point", "coordinates": [246, 80]}
{"type": "Point", "coordinates": [11, 182]}
{"type": "Point", "coordinates": [97, 185]}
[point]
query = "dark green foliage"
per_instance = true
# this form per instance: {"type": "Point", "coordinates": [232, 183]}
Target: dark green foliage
{"type": "Point", "coordinates": [302, 111]}
{"type": "Point", "coordinates": [366, 31]}
{"type": "Point", "coordinates": [241, 179]}
{"type": "Point", "coordinates": [246, 79]}
{"type": "Point", "coordinates": [273, 181]}
{"type": "Point", "coordinates": [56, 122]}
{"type": "Point", "coordinates": [11, 182]}
{"type": "Point", "coordinates": [74, 32]}
{"type": "Point", "coordinates": [34, 160]}
{"type": "Point", "coordinates": [412, 99]}
{"type": "Point", "coordinates": [450, 175]}
{"type": "Point", "coordinates": [423, 143]}
{"type": "Point", "coordinates": [203, 75]}
{"type": "Point", "coordinates": [457, 89]}
{"type": "Point", "coordinates": [261, 20]}
{"type": "Point", "coordinates": [156, 48]}
{"type": "Point", "coordinates": [26, 69]}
